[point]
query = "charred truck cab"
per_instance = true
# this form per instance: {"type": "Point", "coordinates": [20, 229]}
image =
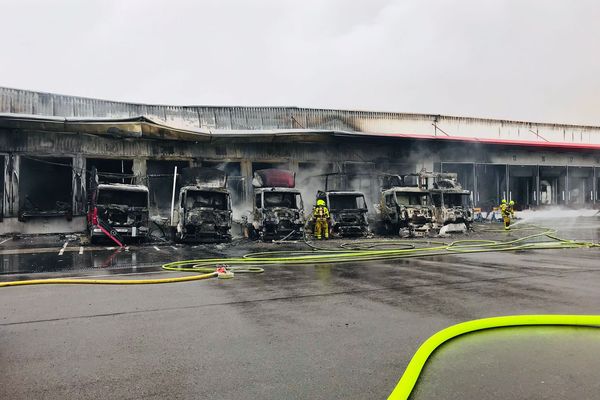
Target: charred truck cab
{"type": "Point", "coordinates": [405, 206]}
{"type": "Point", "coordinates": [120, 209]}
{"type": "Point", "coordinates": [348, 212]}
{"type": "Point", "coordinates": [278, 211]}
{"type": "Point", "coordinates": [453, 204]}
{"type": "Point", "coordinates": [203, 212]}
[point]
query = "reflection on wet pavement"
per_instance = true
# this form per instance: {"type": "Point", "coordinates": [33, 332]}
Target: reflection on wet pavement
{"type": "Point", "coordinates": [50, 254]}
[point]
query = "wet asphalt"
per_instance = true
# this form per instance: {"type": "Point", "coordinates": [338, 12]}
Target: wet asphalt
{"type": "Point", "coordinates": [329, 331]}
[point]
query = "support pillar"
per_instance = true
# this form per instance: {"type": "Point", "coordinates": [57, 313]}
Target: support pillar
{"type": "Point", "coordinates": [508, 193]}
{"type": "Point", "coordinates": [11, 185]}
{"type": "Point", "coordinates": [594, 187]}
{"type": "Point", "coordinates": [294, 166]}
{"type": "Point", "coordinates": [79, 200]}
{"type": "Point", "coordinates": [140, 171]}
{"type": "Point", "coordinates": [246, 171]}
{"type": "Point", "coordinates": [568, 194]}
{"type": "Point", "coordinates": [474, 193]}
{"type": "Point", "coordinates": [537, 187]}
{"type": "Point", "coordinates": [428, 165]}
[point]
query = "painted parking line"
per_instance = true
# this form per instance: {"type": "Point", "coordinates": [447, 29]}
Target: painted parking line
{"type": "Point", "coordinates": [5, 240]}
{"type": "Point", "coordinates": [80, 249]}
{"type": "Point", "coordinates": [62, 250]}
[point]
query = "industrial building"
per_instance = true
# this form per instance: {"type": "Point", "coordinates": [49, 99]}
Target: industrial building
{"type": "Point", "coordinates": [49, 143]}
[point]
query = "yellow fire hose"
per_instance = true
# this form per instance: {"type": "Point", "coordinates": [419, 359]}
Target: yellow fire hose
{"type": "Point", "coordinates": [408, 380]}
{"type": "Point", "coordinates": [362, 251]}
{"type": "Point", "coordinates": [108, 281]}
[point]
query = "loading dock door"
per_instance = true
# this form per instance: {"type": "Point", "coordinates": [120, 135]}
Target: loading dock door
{"type": "Point", "coordinates": [160, 184]}
{"type": "Point", "coordinates": [580, 186]}
{"type": "Point", "coordinates": [45, 187]}
{"type": "Point", "coordinates": [235, 180]}
{"type": "Point", "coordinates": [465, 174]}
{"type": "Point", "coordinates": [491, 185]}
{"type": "Point", "coordinates": [553, 184]}
{"type": "Point", "coordinates": [523, 185]}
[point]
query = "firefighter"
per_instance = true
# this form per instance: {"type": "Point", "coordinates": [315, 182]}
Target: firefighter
{"type": "Point", "coordinates": [505, 209]}
{"type": "Point", "coordinates": [321, 218]}
{"type": "Point", "coordinates": [512, 209]}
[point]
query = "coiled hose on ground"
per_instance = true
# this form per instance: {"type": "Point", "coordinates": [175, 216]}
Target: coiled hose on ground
{"type": "Point", "coordinates": [357, 251]}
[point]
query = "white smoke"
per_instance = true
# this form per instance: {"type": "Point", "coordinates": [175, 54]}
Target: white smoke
{"type": "Point", "coordinates": [554, 213]}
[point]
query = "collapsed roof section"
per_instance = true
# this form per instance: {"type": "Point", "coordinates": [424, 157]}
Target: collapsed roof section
{"type": "Point", "coordinates": [142, 127]}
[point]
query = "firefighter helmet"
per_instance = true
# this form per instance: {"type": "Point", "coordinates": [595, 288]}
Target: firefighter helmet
{"type": "Point", "coordinates": [320, 202]}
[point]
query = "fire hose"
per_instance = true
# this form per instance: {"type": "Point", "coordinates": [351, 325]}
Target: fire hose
{"type": "Point", "coordinates": [412, 372]}
{"type": "Point", "coordinates": [361, 251]}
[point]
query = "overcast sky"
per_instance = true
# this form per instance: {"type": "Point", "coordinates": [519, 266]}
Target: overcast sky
{"type": "Point", "coordinates": [520, 59]}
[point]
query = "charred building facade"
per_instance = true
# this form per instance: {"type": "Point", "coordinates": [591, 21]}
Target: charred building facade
{"type": "Point", "coordinates": [49, 144]}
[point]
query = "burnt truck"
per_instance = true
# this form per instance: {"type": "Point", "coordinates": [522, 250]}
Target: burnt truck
{"type": "Point", "coordinates": [118, 211]}
{"type": "Point", "coordinates": [278, 211]}
{"type": "Point", "coordinates": [348, 212]}
{"type": "Point", "coordinates": [202, 212]}
{"type": "Point", "coordinates": [347, 208]}
{"type": "Point", "coordinates": [453, 204]}
{"type": "Point", "coordinates": [405, 206]}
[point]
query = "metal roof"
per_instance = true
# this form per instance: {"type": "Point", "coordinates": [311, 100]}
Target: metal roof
{"type": "Point", "coordinates": [22, 109]}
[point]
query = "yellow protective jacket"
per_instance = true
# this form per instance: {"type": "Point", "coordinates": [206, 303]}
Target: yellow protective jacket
{"type": "Point", "coordinates": [506, 210]}
{"type": "Point", "coordinates": [321, 212]}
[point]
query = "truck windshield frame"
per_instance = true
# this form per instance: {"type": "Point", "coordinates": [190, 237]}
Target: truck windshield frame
{"type": "Point", "coordinates": [206, 199]}
{"type": "Point", "coordinates": [411, 199]}
{"type": "Point", "coordinates": [275, 199]}
{"type": "Point", "coordinates": [457, 199]}
{"type": "Point", "coordinates": [347, 202]}
{"type": "Point", "coordinates": [116, 196]}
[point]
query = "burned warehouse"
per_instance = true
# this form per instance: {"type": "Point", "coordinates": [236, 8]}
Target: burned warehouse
{"type": "Point", "coordinates": [59, 154]}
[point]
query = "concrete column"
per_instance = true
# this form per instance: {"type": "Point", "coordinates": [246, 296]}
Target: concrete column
{"type": "Point", "coordinates": [11, 182]}
{"type": "Point", "coordinates": [140, 171]}
{"type": "Point", "coordinates": [537, 187]}
{"type": "Point", "coordinates": [428, 165]}
{"type": "Point", "coordinates": [293, 166]}
{"type": "Point", "coordinates": [567, 191]}
{"type": "Point", "coordinates": [246, 171]}
{"type": "Point", "coordinates": [507, 175]}
{"type": "Point", "coordinates": [595, 187]}
{"type": "Point", "coordinates": [474, 194]}
{"type": "Point", "coordinates": [499, 192]}
{"type": "Point", "coordinates": [79, 185]}
{"type": "Point", "coordinates": [5, 188]}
